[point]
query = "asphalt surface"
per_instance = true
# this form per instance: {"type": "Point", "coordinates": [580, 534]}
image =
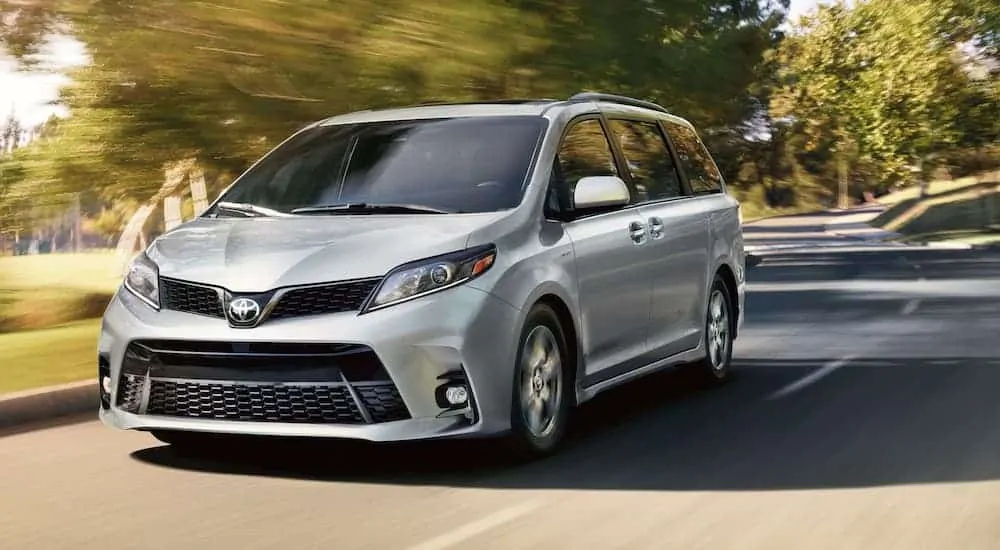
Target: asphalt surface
{"type": "Point", "coordinates": [864, 414]}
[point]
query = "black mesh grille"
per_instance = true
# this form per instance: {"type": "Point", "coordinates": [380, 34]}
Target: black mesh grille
{"type": "Point", "coordinates": [383, 402]}
{"type": "Point", "coordinates": [190, 298]}
{"type": "Point", "coordinates": [317, 300]}
{"type": "Point", "coordinates": [259, 402]}
{"type": "Point", "coordinates": [130, 392]}
{"type": "Point", "coordinates": [303, 382]}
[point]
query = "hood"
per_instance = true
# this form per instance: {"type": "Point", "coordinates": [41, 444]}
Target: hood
{"type": "Point", "coordinates": [259, 254]}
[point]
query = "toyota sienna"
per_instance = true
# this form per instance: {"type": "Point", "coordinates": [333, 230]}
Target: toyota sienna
{"type": "Point", "coordinates": [438, 271]}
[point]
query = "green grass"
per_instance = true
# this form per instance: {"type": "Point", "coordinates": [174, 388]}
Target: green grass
{"type": "Point", "coordinates": [35, 358]}
{"type": "Point", "coordinates": [50, 306]}
{"type": "Point", "coordinates": [966, 205]}
{"type": "Point", "coordinates": [962, 211]}
{"type": "Point", "coordinates": [88, 272]}
{"type": "Point", "coordinates": [754, 206]}
{"type": "Point", "coordinates": [937, 187]}
{"type": "Point", "coordinates": [50, 289]}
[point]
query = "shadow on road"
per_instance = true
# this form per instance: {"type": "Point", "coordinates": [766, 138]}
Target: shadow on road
{"type": "Point", "coordinates": [874, 422]}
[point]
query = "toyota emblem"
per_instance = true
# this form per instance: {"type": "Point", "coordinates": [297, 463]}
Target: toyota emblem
{"type": "Point", "coordinates": [244, 310]}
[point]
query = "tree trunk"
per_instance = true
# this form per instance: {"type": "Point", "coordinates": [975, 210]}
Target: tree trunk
{"type": "Point", "coordinates": [842, 198]}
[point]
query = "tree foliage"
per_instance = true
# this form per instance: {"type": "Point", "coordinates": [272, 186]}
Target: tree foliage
{"type": "Point", "coordinates": [884, 83]}
{"type": "Point", "coordinates": [222, 82]}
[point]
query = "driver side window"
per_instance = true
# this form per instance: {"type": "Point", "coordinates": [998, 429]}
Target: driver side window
{"type": "Point", "coordinates": [584, 151]}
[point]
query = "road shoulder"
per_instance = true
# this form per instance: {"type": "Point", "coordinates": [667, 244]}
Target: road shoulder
{"type": "Point", "coordinates": [28, 407]}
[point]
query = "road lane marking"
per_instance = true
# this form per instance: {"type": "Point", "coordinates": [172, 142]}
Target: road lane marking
{"type": "Point", "coordinates": [910, 307]}
{"type": "Point", "coordinates": [469, 530]}
{"type": "Point", "coordinates": [812, 377]}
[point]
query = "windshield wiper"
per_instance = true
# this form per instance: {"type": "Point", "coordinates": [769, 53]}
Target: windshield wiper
{"type": "Point", "coordinates": [368, 208]}
{"type": "Point", "coordinates": [250, 209]}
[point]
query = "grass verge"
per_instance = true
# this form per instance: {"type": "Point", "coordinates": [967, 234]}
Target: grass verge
{"type": "Point", "coordinates": [36, 358]}
{"type": "Point", "coordinates": [972, 237]}
{"type": "Point", "coordinates": [51, 289]}
{"type": "Point", "coordinates": [937, 187]}
{"type": "Point", "coordinates": [965, 205]}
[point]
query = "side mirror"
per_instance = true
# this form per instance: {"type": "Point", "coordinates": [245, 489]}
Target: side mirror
{"type": "Point", "coordinates": [600, 192]}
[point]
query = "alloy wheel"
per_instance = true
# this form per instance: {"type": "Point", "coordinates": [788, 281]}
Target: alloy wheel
{"type": "Point", "coordinates": [718, 338]}
{"type": "Point", "coordinates": [541, 386]}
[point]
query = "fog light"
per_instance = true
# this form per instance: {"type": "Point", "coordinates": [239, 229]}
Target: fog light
{"type": "Point", "coordinates": [456, 395]}
{"type": "Point", "coordinates": [106, 384]}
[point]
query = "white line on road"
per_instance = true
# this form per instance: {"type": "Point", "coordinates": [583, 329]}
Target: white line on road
{"type": "Point", "coordinates": [812, 377]}
{"type": "Point", "coordinates": [479, 526]}
{"type": "Point", "coordinates": [910, 307]}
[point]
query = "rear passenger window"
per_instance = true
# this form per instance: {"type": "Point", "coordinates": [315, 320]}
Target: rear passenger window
{"type": "Point", "coordinates": [649, 160]}
{"type": "Point", "coordinates": [695, 160]}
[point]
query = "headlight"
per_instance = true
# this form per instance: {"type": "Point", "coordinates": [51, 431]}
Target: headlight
{"type": "Point", "coordinates": [143, 280]}
{"type": "Point", "coordinates": [432, 275]}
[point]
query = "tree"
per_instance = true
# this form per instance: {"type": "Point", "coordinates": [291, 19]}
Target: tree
{"type": "Point", "coordinates": [223, 82]}
{"type": "Point", "coordinates": [880, 84]}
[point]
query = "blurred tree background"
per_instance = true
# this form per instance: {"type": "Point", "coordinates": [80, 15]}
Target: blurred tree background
{"type": "Point", "coordinates": [848, 96]}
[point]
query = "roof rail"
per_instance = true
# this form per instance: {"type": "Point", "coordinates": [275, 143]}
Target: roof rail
{"type": "Point", "coordinates": [620, 99]}
{"type": "Point", "coordinates": [514, 101]}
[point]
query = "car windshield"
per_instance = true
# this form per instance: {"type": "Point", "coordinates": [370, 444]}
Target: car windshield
{"type": "Point", "coordinates": [476, 164]}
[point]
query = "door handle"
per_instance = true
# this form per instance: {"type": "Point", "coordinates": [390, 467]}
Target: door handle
{"type": "Point", "coordinates": [656, 227]}
{"type": "Point", "coordinates": [637, 232]}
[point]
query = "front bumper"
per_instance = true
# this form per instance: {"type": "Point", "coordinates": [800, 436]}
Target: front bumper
{"type": "Point", "coordinates": [419, 344]}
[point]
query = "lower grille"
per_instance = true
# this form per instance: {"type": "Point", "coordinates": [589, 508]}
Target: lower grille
{"type": "Point", "coordinates": [130, 392]}
{"type": "Point", "coordinates": [258, 382]}
{"type": "Point", "coordinates": [383, 402]}
{"type": "Point", "coordinates": [254, 403]}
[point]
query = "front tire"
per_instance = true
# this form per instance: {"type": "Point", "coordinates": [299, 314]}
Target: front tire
{"type": "Point", "coordinates": [716, 366]}
{"type": "Point", "coordinates": [542, 385]}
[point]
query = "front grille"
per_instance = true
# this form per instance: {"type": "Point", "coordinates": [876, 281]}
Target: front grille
{"type": "Point", "coordinates": [337, 297]}
{"type": "Point", "coordinates": [189, 298]}
{"type": "Point", "coordinates": [326, 404]}
{"type": "Point", "coordinates": [259, 381]}
{"type": "Point", "coordinates": [318, 300]}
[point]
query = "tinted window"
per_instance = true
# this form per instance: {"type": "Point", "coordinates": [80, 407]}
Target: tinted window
{"type": "Point", "coordinates": [584, 152]}
{"type": "Point", "coordinates": [458, 165]}
{"type": "Point", "coordinates": [695, 159]}
{"type": "Point", "coordinates": [649, 160]}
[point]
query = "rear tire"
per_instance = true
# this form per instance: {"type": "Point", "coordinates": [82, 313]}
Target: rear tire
{"type": "Point", "coordinates": [716, 365]}
{"type": "Point", "coordinates": [543, 382]}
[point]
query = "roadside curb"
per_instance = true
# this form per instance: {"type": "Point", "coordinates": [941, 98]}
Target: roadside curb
{"type": "Point", "coordinates": [43, 404]}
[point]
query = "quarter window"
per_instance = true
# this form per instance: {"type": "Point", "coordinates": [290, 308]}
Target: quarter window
{"type": "Point", "coordinates": [653, 172]}
{"type": "Point", "coordinates": [702, 173]}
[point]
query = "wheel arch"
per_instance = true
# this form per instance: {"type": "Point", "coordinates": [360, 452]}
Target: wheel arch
{"type": "Point", "coordinates": [571, 333]}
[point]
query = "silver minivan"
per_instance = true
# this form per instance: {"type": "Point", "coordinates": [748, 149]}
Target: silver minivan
{"type": "Point", "coordinates": [438, 271]}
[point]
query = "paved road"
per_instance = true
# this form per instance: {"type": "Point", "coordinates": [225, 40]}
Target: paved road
{"type": "Point", "coordinates": [865, 415]}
